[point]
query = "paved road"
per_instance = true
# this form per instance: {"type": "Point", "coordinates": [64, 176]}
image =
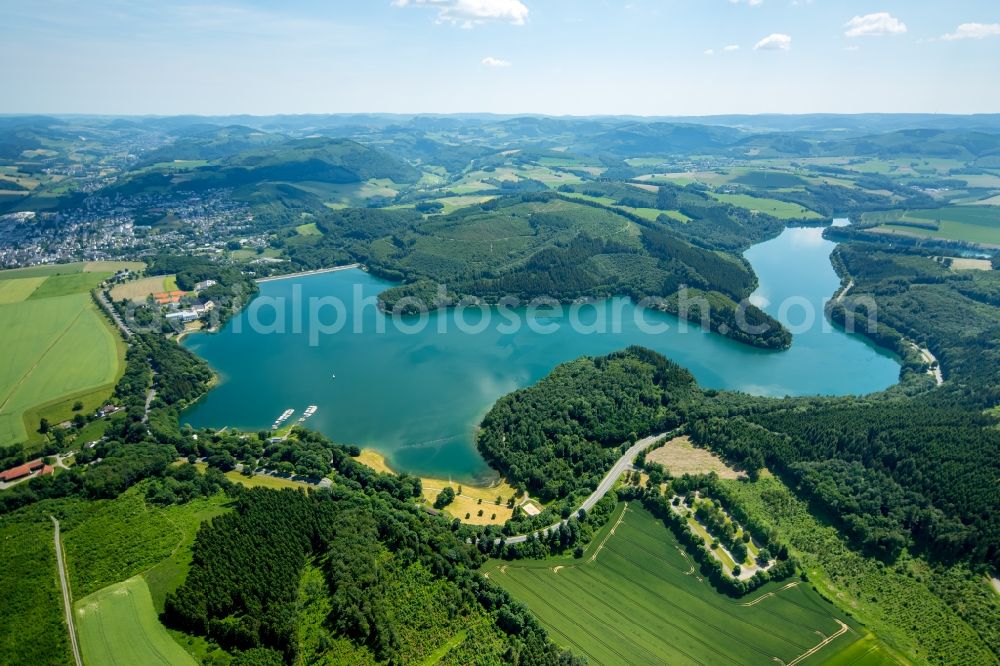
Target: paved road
{"type": "Point", "coordinates": [67, 602]}
{"type": "Point", "coordinates": [332, 269]}
{"type": "Point", "coordinates": [607, 483]}
{"type": "Point", "coordinates": [102, 299]}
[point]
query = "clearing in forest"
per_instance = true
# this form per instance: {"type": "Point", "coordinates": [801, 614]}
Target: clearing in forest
{"type": "Point", "coordinates": [679, 456]}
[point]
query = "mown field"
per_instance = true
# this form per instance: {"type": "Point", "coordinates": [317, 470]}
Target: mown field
{"type": "Point", "coordinates": [118, 626]}
{"type": "Point", "coordinates": [138, 290]}
{"type": "Point", "coordinates": [636, 597]}
{"type": "Point", "coordinates": [58, 348]}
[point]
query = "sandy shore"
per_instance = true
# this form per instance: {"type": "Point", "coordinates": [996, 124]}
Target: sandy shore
{"type": "Point", "coordinates": [332, 269]}
{"type": "Point", "coordinates": [471, 501]}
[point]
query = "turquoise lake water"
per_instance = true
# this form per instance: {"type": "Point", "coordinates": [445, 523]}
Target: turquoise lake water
{"type": "Point", "coordinates": [416, 396]}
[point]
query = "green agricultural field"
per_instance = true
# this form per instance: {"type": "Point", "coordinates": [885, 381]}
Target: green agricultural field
{"type": "Point", "coordinates": [972, 224]}
{"type": "Point", "coordinates": [118, 626]}
{"type": "Point", "coordinates": [636, 597]}
{"type": "Point", "coordinates": [780, 209]}
{"type": "Point", "coordinates": [768, 179]}
{"type": "Point", "coordinates": [19, 289]}
{"type": "Point", "coordinates": [55, 349]}
{"type": "Point", "coordinates": [64, 285]}
{"type": "Point", "coordinates": [308, 229]}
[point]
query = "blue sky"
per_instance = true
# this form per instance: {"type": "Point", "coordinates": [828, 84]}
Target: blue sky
{"type": "Point", "coordinates": [649, 57]}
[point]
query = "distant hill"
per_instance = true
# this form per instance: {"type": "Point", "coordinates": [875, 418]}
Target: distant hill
{"type": "Point", "coordinates": [955, 144]}
{"type": "Point", "coordinates": [209, 142]}
{"type": "Point", "coordinates": [639, 139]}
{"type": "Point", "coordinates": [324, 159]}
{"type": "Point", "coordinates": [278, 160]}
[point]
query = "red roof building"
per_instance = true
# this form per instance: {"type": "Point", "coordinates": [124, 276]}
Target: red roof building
{"type": "Point", "coordinates": [24, 470]}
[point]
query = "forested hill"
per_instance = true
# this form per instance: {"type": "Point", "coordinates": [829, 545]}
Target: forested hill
{"type": "Point", "coordinates": [353, 576]}
{"type": "Point", "coordinates": [546, 245]}
{"type": "Point", "coordinates": [564, 433]}
{"type": "Point", "coordinates": [915, 467]}
{"type": "Point", "coordinates": [232, 158]}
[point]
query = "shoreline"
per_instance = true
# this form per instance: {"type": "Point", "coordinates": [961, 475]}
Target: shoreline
{"type": "Point", "coordinates": [318, 271]}
{"type": "Point", "coordinates": [473, 498]}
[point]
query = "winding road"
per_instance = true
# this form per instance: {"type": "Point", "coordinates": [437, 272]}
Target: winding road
{"type": "Point", "coordinates": [606, 484]}
{"type": "Point", "coordinates": [67, 601]}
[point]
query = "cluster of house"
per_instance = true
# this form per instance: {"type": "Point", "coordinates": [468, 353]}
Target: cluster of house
{"type": "Point", "coordinates": [27, 469]}
{"type": "Point", "coordinates": [172, 299]}
{"type": "Point", "coordinates": [192, 313]}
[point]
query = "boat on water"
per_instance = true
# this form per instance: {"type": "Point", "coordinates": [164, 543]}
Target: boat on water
{"type": "Point", "coordinates": [281, 419]}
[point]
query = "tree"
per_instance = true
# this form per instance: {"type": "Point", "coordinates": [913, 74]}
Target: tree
{"type": "Point", "coordinates": [43, 426]}
{"type": "Point", "coordinates": [737, 570]}
{"type": "Point", "coordinates": [78, 405]}
{"type": "Point", "coordinates": [444, 498]}
{"type": "Point", "coordinates": [763, 557]}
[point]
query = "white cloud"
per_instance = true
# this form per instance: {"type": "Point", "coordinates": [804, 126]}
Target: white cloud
{"type": "Point", "coordinates": [874, 25]}
{"type": "Point", "coordinates": [709, 51]}
{"type": "Point", "coordinates": [495, 63]}
{"type": "Point", "coordinates": [973, 31]}
{"type": "Point", "coordinates": [775, 42]}
{"type": "Point", "coordinates": [752, 3]}
{"type": "Point", "coordinates": [470, 13]}
{"type": "Point", "coordinates": [732, 47]}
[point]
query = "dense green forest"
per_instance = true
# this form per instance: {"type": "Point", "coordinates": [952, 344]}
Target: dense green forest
{"type": "Point", "coordinates": [385, 569]}
{"type": "Point", "coordinates": [531, 246]}
{"type": "Point", "coordinates": [565, 432]}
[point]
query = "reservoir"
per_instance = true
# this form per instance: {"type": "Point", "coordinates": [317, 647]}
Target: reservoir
{"type": "Point", "coordinates": [416, 394]}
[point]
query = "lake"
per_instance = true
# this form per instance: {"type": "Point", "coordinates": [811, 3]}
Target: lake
{"type": "Point", "coordinates": [417, 395]}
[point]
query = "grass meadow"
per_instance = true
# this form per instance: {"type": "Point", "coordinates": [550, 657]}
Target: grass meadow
{"type": "Point", "coordinates": [782, 210]}
{"type": "Point", "coordinates": [973, 224]}
{"type": "Point", "coordinates": [636, 597]}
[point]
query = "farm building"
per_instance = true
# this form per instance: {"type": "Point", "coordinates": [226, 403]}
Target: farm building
{"type": "Point", "coordinates": [27, 469]}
